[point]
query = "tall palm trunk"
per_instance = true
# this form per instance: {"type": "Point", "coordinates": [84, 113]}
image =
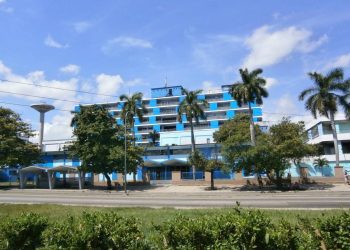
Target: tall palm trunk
{"type": "Point", "coordinates": [193, 147]}
{"type": "Point", "coordinates": [251, 125]}
{"type": "Point", "coordinates": [335, 138]}
{"type": "Point", "coordinates": [134, 144]}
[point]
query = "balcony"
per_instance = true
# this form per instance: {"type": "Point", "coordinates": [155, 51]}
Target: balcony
{"type": "Point", "coordinates": [214, 97]}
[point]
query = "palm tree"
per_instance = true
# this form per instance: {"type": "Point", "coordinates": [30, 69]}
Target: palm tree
{"type": "Point", "coordinates": [321, 163]}
{"type": "Point", "coordinates": [192, 107]}
{"type": "Point", "coordinates": [153, 136]}
{"type": "Point", "coordinates": [325, 96]}
{"type": "Point", "coordinates": [133, 107]}
{"type": "Point", "coordinates": [249, 90]}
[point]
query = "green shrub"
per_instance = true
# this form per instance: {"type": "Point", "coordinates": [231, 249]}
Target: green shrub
{"type": "Point", "coordinates": [24, 232]}
{"type": "Point", "coordinates": [335, 231]}
{"type": "Point", "coordinates": [237, 230]}
{"type": "Point", "coordinates": [95, 231]}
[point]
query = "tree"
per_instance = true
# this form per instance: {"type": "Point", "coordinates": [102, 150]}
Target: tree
{"type": "Point", "coordinates": [321, 163]}
{"type": "Point", "coordinates": [251, 89]}
{"type": "Point", "coordinates": [15, 148]}
{"type": "Point", "coordinates": [192, 107]}
{"type": "Point", "coordinates": [133, 107]}
{"type": "Point", "coordinates": [208, 165]}
{"type": "Point", "coordinates": [100, 143]}
{"type": "Point", "coordinates": [327, 94]}
{"type": "Point", "coordinates": [154, 137]}
{"type": "Point", "coordinates": [274, 152]}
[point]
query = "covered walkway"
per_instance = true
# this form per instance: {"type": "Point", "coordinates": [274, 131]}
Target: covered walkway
{"type": "Point", "coordinates": [48, 174]}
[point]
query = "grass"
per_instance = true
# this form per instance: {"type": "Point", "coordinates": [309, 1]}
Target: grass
{"type": "Point", "coordinates": [149, 216]}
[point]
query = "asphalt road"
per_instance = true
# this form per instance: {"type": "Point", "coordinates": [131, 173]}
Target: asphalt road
{"type": "Point", "coordinates": [288, 200]}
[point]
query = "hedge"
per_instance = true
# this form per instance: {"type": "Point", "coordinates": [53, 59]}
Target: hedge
{"type": "Point", "coordinates": [239, 229]}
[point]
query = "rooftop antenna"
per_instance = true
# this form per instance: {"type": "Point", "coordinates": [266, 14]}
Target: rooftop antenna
{"type": "Point", "coordinates": [166, 81]}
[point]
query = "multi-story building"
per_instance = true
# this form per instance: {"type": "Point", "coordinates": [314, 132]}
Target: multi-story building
{"type": "Point", "coordinates": [162, 113]}
{"type": "Point", "coordinates": [173, 147]}
{"type": "Point", "coordinates": [168, 159]}
{"type": "Point", "coordinates": [319, 131]}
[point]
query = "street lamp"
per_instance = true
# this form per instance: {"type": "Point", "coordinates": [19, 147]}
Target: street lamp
{"type": "Point", "coordinates": [125, 138]}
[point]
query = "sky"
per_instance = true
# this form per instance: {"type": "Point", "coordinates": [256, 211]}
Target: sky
{"type": "Point", "coordinates": [115, 47]}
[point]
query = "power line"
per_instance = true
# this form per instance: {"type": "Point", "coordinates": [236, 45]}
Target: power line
{"type": "Point", "coordinates": [272, 113]}
{"type": "Point", "coordinates": [35, 96]}
{"type": "Point", "coordinates": [58, 88]}
{"type": "Point", "coordinates": [26, 105]}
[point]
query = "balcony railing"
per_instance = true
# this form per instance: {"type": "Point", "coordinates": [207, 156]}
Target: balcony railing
{"type": "Point", "coordinates": [164, 103]}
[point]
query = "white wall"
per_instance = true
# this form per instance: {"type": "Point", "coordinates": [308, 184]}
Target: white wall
{"type": "Point", "coordinates": [184, 137]}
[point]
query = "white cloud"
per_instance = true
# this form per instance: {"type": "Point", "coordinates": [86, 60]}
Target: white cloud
{"type": "Point", "coordinates": [2, 1]}
{"type": "Point", "coordinates": [59, 127]}
{"type": "Point", "coordinates": [126, 42]}
{"type": "Point", "coordinates": [208, 86]}
{"type": "Point", "coordinates": [341, 61]}
{"type": "Point", "coordinates": [50, 42]}
{"type": "Point", "coordinates": [81, 27]}
{"type": "Point", "coordinates": [70, 69]}
{"type": "Point", "coordinates": [108, 84]}
{"type": "Point", "coordinates": [270, 82]}
{"type": "Point", "coordinates": [285, 106]}
{"type": "Point", "coordinates": [268, 47]}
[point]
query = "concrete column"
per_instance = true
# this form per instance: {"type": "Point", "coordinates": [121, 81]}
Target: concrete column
{"type": "Point", "coordinates": [338, 172]}
{"type": "Point", "coordinates": [207, 176]}
{"type": "Point", "coordinates": [304, 171]}
{"type": "Point", "coordinates": [176, 176]}
{"type": "Point", "coordinates": [49, 179]}
{"type": "Point", "coordinates": [35, 180]}
{"type": "Point", "coordinates": [79, 180]}
{"type": "Point", "coordinates": [238, 176]}
{"type": "Point", "coordinates": [21, 180]}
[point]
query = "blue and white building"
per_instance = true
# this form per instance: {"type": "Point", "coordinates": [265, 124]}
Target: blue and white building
{"type": "Point", "coordinates": [174, 146]}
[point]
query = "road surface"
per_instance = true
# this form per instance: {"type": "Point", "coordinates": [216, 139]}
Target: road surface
{"type": "Point", "coordinates": [204, 199]}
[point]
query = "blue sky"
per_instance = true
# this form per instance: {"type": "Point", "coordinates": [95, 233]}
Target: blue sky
{"type": "Point", "coordinates": [113, 47]}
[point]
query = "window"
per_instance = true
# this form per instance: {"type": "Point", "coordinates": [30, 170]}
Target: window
{"type": "Point", "coordinates": [346, 147]}
{"type": "Point", "coordinates": [328, 148]}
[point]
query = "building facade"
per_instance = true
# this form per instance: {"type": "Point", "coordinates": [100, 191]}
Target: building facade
{"type": "Point", "coordinates": [319, 132]}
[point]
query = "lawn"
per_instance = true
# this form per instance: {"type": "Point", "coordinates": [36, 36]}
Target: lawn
{"type": "Point", "coordinates": [150, 216]}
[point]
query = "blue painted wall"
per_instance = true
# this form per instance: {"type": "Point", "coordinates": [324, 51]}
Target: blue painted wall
{"type": "Point", "coordinates": [166, 91]}
{"type": "Point", "coordinates": [214, 124]}
{"type": "Point", "coordinates": [153, 103]}
{"type": "Point", "coordinates": [230, 114]}
{"type": "Point", "coordinates": [213, 106]}
{"type": "Point", "coordinates": [234, 105]}
{"type": "Point", "coordinates": [257, 112]}
{"type": "Point", "coordinates": [227, 96]}
{"type": "Point", "coordinates": [179, 127]}
{"type": "Point", "coordinates": [156, 111]}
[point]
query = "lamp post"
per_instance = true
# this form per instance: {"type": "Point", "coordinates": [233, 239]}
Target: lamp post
{"type": "Point", "coordinates": [125, 138]}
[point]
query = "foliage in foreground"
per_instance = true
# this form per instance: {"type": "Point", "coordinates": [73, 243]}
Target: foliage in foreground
{"type": "Point", "coordinates": [15, 150]}
{"type": "Point", "coordinates": [238, 229]}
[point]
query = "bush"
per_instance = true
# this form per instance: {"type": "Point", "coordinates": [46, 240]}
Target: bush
{"type": "Point", "coordinates": [24, 232]}
{"type": "Point", "coordinates": [95, 231]}
{"type": "Point", "coordinates": [241, 230]}
{"type": "Point", "coordinates": [335, 231]}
